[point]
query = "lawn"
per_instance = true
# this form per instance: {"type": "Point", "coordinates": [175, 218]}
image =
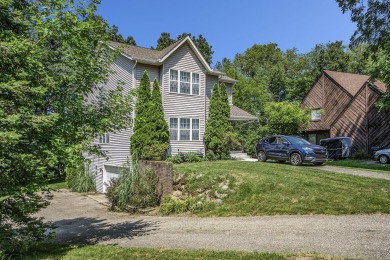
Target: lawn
{"type": "Point", "coordinates": [56, 184]}
{"type": "Point", "coordinates": [281, 189]}
{"type": "Point", "coordinates": [362, 164]}
{"type": "Point", "coordinates": [58, 251]}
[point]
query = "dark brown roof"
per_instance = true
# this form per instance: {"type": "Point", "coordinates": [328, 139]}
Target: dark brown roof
{"type": "Point", "coordinates": [225, 78]}
{"type": "Point", "coordinates": [352, 83]}
{"type": "Point", "coordinates": [144, 53]}
{"type": "Point", "coordinates": [237, 113]}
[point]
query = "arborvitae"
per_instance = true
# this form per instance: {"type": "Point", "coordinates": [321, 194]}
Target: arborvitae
{"type": "Point", "coordinates": [213, 136]}
{"type": "Point", "coordinates": [142, 130]}
{"type": "Point", "coordinates": [224, 114]}
{"type": "Point", "coordinates": [160, 130]}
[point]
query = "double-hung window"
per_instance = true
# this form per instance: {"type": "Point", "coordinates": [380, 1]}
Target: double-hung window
{"type": "Point", "coordinates": [184, 82]}
{"type": "Point", "coordinates": [104, 139]}
{"type": "Point", "coordinates": [184, 129]}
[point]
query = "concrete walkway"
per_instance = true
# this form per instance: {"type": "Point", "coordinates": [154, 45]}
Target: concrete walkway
{"type": "Point", "coordinates": [81, 219]}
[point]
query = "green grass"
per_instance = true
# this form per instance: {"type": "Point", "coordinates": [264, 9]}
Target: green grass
{"type": "Point", "coordinates": [58, 251]}
{"type": "Point", "coordinates": [281, 189]}
{"type": "Point", "coordinates": [362, 164]}
{"type": "Point", "coordinates": [57, 184]}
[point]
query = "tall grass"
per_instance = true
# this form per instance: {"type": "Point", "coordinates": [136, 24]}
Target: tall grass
{"type": "Point", "coordinates": [136, 188]}
{"type": "Point", "coordinates": [79, 178]}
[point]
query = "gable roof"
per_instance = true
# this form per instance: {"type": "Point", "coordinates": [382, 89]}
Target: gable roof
{"type": "Point", "coordinates": [155, 57]}
{"type": "Point", "coordinates": [237, 114]}
{"type": "Point", "coordinates": [351, 82]}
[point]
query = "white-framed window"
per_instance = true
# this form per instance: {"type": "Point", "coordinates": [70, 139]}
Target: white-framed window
{"type": "Point", "coordinates": [173, 128]}
{"type": "Point", "coordinates": [316, 115]}
{"type": "Point", "coordinates": [104, 139]}
{"type": "Point", "coordinates": [184, 82]}
{"type": "Point", "coordinates": [174, 81]}
{"type": "Point", "coordinates": [184, 129]}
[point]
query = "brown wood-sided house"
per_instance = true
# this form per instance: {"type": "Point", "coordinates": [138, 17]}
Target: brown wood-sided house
{"type": "Point", "coordinates": [343, 104]}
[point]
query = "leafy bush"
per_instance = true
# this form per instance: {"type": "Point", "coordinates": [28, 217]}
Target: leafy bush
{"type": "Point", "coordinates": [210, 156]}
{"type": "Point", "coordinates": [192, 157]}
{"type": "Point", "coordinates": [135, 189]}
{"type": "Point", "coordinates": [360, 155]}
{"type": "Point", "coordinates": [155, 152]}
{"type": "Point", "coordinates": [176, 159]}
{"type": "Point", "coordinates": [79, 178]}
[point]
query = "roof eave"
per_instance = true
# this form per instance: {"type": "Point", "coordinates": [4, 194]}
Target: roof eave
{"type": "Point", "coordinates": [243, 118]}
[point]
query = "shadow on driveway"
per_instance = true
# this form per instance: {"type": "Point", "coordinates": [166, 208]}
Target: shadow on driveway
{"type": "Point", "coordinates": [92, 230]}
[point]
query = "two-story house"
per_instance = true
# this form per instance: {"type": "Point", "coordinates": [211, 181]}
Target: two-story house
{"type": "Point", "coordinates": [186, 82]}
{"type": "Point", "coordinates": [343, 104]}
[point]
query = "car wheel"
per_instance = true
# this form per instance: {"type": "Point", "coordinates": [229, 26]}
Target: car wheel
{"type": "Point", "coordinates": [296, 159]}
{"type": "Point", "coordinates": [281, 161]}
{"type": "Point", "coordinates": [383, 159]}
{"type": "Point", "coordinates": [318, 163]}
{"type": "Point", "coordinates": [261, 156]}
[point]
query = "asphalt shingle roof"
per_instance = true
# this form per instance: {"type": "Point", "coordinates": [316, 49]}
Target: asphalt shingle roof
{"type": "Point", "coordinates": [239, 114]}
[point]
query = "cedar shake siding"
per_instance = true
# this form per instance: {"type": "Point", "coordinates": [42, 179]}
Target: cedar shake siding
{"type": "Point", "coordinates": [347, 102]}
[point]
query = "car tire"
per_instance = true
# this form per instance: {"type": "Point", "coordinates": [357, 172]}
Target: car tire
{"type": "Point", "coordinates": [281, 161]}
{"type": "Point", "coordinates": [383, 159]}
{"type": "Point", "coordinates": [296, 159]}
{"type": "Point", "coordinates": [261, 156]}
{"type": "Point", "coordinates": [318, 163]}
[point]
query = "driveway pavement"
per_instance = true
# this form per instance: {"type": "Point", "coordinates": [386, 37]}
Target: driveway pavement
{"type": "Point", "coordinates": [358, 172]}
{"type": "Point", "coordinates": [81, 219]}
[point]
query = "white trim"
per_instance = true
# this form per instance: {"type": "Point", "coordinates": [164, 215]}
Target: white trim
{"type": "Point", "coordinates": [179, 128]}
{"type": "Point", "coordinates": [179, 81]}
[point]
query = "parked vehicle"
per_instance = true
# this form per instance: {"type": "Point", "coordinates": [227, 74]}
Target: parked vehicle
{"type": "Point", "coordinates": [290, 148]}
{"type": "Point", "coordinates": [383, 156]}
{"type": "Point", "coordinates": [338, 147]}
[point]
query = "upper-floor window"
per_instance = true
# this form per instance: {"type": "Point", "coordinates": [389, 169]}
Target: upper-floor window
{"type": "Point", "coordinates": [184, 82]}
{"type": "Point", "coordinates": [104, 139]}
{"type": "Point", "coordinates": [184, 129]}
{"type": "Point", "coordinates": [316, 115]}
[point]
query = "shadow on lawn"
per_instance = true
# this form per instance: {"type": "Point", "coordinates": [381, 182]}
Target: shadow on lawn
{"type": "Point", "coordinates": [92, 230]}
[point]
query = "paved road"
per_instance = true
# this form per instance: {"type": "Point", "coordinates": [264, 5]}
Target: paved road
{"type": "Point", "coordinates": [81, 219]}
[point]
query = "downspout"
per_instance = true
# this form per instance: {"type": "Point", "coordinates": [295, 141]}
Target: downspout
{"type": "Point", "coordinates": [135, 64]}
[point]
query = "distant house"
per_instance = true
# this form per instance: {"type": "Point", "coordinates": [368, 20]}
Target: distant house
{"type": "Point", "coordinates": [342, 104]}
{"type": "Point", "coordinates": [186, 82]}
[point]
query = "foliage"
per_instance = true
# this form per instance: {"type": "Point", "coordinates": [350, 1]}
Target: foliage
{"type": "Point", "coordinates": [176, 159]}
{"type": "Point", "coordinates": [117, 37]}
{"type": "Point", "coordinates": [217, 137]}
{"type": "Point", "coordinates": [192, 157]}
{"type": "Point", "coordinates": [172, 206]}
{"type": "Point", "coordinates": [142, 129]}
{"type": "Point", "coordinates": [279, 189]}
{"type": "Point", "coordinates": [136, 188]}
{"type": "Point", "coordinates": [200, 42]}
{"type": "Point", "coordinates": [210, 156]}
{"type": "Point", "coordinates": [52, 56]}
{"type": "Point", "coordinates": [286, 118]}
{"type": "Point", "coordinates": [360, 155]}
{"type": "Point", "coordinates": [79, 178]}
{"type": "Point", "coordinates": [373, 26]}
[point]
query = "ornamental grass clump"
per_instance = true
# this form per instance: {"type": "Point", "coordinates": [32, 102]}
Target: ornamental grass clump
{"type": "Point", "coordinates": [136, 189]}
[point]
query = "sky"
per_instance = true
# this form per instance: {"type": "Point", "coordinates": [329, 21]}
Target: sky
{"type": "Point", "coordinates": [232, 26]}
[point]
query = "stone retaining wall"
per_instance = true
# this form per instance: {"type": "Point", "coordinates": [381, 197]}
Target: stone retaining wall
{"type": "Point", "coordinates": [164, 172]}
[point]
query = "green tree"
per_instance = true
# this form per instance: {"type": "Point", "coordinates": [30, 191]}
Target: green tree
{"type": "Point", "coordinates": [373, 27]}
{"type": "Point", "coordinates": [285, 118]}
{"type": "Point", "coordinates": [159, 130]}
{"type": "Point", "coordinates": [117, 37]}
{"type": "Point", "coordinates": [164, 41]}
{"type": "Point", "coordinates": [52, 56]}
{"type": "Point", "coordinates": [218, 134]}
{"type": "Point", "coordinates": [143, 127]}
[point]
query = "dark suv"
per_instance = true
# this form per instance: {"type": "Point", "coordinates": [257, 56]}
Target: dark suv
{"type": "Point", "coordinates": [290, 148]}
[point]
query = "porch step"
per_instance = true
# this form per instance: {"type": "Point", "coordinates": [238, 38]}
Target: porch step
{"type": "Point", "coordinates": [239, 155]}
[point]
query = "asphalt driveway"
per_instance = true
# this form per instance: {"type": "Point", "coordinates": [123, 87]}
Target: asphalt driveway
{"type": "Point", "coordinates": [81, 219]}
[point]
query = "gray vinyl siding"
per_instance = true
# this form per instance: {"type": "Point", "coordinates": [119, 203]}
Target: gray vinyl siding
{"type": "Point", "coordinates": [210, 81]}
{"type": "Point", "coordinates": [118, 148]}
{"type": "Point", "coordinates": [153, 72]}
{"type": "Point", "coordinates": [229, 90]}
{"type": "Point", "coordinates": [185, 105]}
